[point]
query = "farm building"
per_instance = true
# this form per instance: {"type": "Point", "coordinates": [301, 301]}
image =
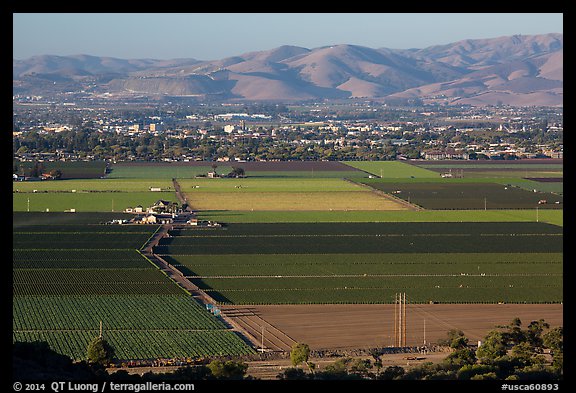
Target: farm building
{"type": "Point", "coordinates": [137, 209]}
{"type": "Point", "coordinates": [162, 206]}
{"type": "Point", "coordinates": [154, 219]}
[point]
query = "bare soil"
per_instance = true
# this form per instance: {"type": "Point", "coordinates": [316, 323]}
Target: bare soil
{"type": "Point", "coordinates": [261, 165]}
{"type": "Point", "coordinates": [342, 327]}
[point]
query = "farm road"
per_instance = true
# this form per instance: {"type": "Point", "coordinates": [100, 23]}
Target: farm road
{"type": "Point", "coordinates": [196, 292]}
{"type": "Point", "coordinates": [181, 197]}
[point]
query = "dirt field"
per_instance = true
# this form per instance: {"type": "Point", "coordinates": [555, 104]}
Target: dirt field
{"type": "Point", "coordinates": [364, 326]}
{"type": "Point", "coordinates": [259, 165]}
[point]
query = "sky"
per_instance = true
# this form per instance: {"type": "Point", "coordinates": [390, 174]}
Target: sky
{"type": "Point", "coordinates": [212, 36]}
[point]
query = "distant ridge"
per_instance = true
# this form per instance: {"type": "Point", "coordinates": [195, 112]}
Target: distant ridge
{"type": "Point", "coordinates": [514, 70]}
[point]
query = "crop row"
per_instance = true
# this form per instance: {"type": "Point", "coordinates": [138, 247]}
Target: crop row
{"type": "Point", "coordinates": [152, 344]}
{"type": "Point", "coordinates": [144, 312]}
{"type": "Point", "coordinates": [77, 259]}
{"type": "Point", "coordinates": [382, 282]}
{"type": "Point", "coordinates": [335, 269]}
{"type": "Point", "coordinates": [393, 263]}
{"type": "Point", "coordinates": [542, 294]}
{"type": "Point", "coordinates": [72, 229]}
{"type": "Point", "coordinates": [88, 276]}
{"type": "Point", "coordinates": [44, 240]}
{"type": "Point", "coordinates": [468, 195]}
{"type": "Point", "coordinates": [369, 228]}
{"type": "Point", "coordinates": [114, 288]}
{"type": "Point", "coordinates": [405, 243]}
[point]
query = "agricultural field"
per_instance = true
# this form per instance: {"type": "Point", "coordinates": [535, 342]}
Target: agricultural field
{"type": "Point", "coordinates": [368, 263]}
{"type": "Point", "coordinates": [545, 175]}
{"type": "Point", "coordinates": [273, 169]}
{"type": "Point", "coordinates": [293, 194]}
{"type": "Point", "coordinates": [392, 169]}
{"type": "Point", "coordinates": [293, 233]}
{"type": "Point", "coordinates": [494, 168]}
{"type": "Point", "coordinates": [68, 169]}
{"type": "Point", "coordinates": [555, 217]}
{"type": "Point", "coordinates": [68, 277]}
{"type": "Point", "coordinates": [99, 195]}
{"type": "Point", "coordinates": [459, 194]}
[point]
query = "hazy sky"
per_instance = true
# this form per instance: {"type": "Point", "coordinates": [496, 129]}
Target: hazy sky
{"type": "Point", "coordinates": [210, 36]}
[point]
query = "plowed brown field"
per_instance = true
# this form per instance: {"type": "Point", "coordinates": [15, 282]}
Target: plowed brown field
{"type": "Point", "coordinates": [367, 325]}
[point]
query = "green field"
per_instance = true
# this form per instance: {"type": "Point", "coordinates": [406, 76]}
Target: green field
{"type": "Point", "coordinates": [89, 195]}
{"type": "Point", "coordinates": [84, 185]}
{"type": "Point", "coordinates": [283, 194]}
{"type": "Point", "coordinates": [384, 264]}
{"type": "Point", "coordinates": [288, 237]}
{"type": "Point", "coordinates": [259, 185]}
{"type": "Point", "coordinates": [367, 262]}
{"type": "Point", "coordinates": [69, 277]}
{"type": "Point", "coordinates": [555, 217]}
{"type": "Point", "coordinates": [467, 195]}
{"type": "Point", "coordinates": [143, 344]}
{"type": "Point", "coordinates": [392, 169]}
{"type": "Point", "coordinates": [68, 169]}
{"type": "Point", "coordinates": [87, 201]}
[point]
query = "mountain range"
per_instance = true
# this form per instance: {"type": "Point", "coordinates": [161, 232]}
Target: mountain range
{"type": "Point", "coordinates": [519, 70]}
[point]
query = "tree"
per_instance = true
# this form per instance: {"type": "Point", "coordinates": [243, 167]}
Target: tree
{"type": "Point", "coordinates": [455, 339]}
{"type": "Point", "coordinates": [493, 347]}
{"type": "Point", "coordinates": [524, 354]}
{"type": "Point", "coordinates": [300, 353]}
{"type": "Point", "coordinates": [56, 173]}
{"type": "Point", "coordinates": [377, 360]}
{"type": "Point", "coordinates": [99, 351]}
{"type": "Point", "coordinates": [472, 370]}
{"type": "Point", "coordinates": [228, 370]}
{"type": "Point", "coordinates": [360, 367]}
{"type": "Point", "coordinates": [237, 172]}
{"type": "Point", "coordinates": [392, 372]}
{"type": "Point", "coordinates": [554, 339]}
{"type": "Point", "coordinates": [37, 169]}
{"type": "Point", "coordinates": [293, 374]}
{"type": "Point", "coordinates": [534, 333]}
{"type": "Point", "coordinates": [461, 357]}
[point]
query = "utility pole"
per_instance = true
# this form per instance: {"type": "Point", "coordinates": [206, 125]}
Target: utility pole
{"type": "Point", "coordinates": [404, 321]}
{"type": "Point", "coordinates": [100, 329]}
{"type": "Point", "coordinates": [262, 338]}
{"type": "Point", "coordinates": [395, 319]}
{"type": "Point", "coordinates": [400, 319]}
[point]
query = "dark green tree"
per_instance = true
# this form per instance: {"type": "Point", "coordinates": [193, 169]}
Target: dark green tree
{"type": "Point", "coordinates": [392, 372]}
{"type": "Point", "coordinates": [493, 346]}
{"type": "Point", "coordinates": [99, 351]}
{"type": "Point", "coordinates": [228, 370]}
{"type": "Point", "coordinates": [300, 353]}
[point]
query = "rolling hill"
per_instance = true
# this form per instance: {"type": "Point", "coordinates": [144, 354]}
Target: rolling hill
{"type": "Point", "coordinates": [514, 70]}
